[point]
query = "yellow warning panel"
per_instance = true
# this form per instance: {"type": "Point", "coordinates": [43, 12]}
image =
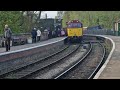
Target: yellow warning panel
{"type": "Point", "coordinates": [75, 31]}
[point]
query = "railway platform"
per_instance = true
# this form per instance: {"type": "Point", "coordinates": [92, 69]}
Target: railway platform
{"type": "Point", "coordinates": [111, 68]}
{"type": "Point", "coordinates": [22, 47]}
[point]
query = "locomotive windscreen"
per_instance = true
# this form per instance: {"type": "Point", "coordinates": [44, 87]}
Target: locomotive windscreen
{"type": "Point", "coordinates": [74, 25]}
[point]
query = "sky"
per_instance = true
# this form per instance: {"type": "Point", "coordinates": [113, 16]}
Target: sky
{"type": "Point", "coordinates": [50, 14]}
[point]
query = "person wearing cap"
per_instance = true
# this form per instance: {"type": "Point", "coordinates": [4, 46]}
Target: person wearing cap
{"type": "Point", "coordinates": [7, 36]}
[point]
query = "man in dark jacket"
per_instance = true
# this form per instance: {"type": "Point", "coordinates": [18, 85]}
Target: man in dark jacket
{"type": "Point", "coordinates": [7, 36]}
{"type": "Point", "coordinates": [34, 34]}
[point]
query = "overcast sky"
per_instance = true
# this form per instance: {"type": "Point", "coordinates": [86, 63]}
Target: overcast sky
{"type": "Point", "coordinates": [50, 14]}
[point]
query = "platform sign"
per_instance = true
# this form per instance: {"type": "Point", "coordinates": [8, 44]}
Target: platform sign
{"type": "Point", "coordinates": [118, 29]}
{"type": "Point", "coordinates": [115, 26]}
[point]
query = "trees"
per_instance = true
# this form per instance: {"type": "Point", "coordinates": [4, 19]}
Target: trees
{"type": "Point", "coordinates": [11, 18]}
{"type": "Point", "coordinates": [30, 19]}
{"type": "Point", "coordinates": [60, 14]}
{"type": "Point", "coordinates": [19, 21]}
{"type": "Point", "coordinates": [92, 18]}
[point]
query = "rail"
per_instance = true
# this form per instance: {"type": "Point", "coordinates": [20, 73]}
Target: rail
{"type": "Point", "coordinates": [99, 65]}
{"type": "Point", "coordinates": [26, 65]}
{"type": "Point", "coordinates": [63, 73]}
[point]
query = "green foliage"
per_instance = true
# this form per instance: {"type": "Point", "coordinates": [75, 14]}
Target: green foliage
{"type": "Point", "coordinates": [92, 18]}
{"type": "Point", "coordinates": [17, 21]}
{"type": "Point", "coordinates": [12, 19]}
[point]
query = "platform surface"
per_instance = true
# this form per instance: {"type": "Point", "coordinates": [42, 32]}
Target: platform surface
{"type": "Point", "coordinates": [14, 48]}
{"type": "Point", "coordinates": [112, 69]}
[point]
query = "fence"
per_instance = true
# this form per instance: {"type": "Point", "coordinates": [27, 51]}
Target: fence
{"type": "Point", "coordinates": [99, 32]}
{"type": "Point", "coordinates": [22, 38]}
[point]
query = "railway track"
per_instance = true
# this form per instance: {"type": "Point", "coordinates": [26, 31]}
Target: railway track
{"type": "Point", "coordinates": [87, 66]}
{"type": "Point", "coordinates": [45, 68]}
{"type": "Point", "coordinates": [30, 69]}
{"type": "Point", "coordinates": [54, 70]}
{"type": "Point", "coordinates": [15, 68]}
{"type": "Point", "coordinates": [74, 65]}
{"type": "Point", "coordinates": [99, 64]}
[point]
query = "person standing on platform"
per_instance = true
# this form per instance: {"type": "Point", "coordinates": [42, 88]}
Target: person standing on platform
{"type": "Point", "coordinates": [38, 35]}
{"type": "Point", "coordinates": [7, 36]}
{"type": "Point", "coordinates": [59, 32]}
{"type": "Point", "coordinates": [46, 32]}
{"type": "Point", "coordinates": [62, 32]}
{"type": "Point", "coordinates": [34, 34]}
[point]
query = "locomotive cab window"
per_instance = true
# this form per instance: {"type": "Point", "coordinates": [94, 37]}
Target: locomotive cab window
{"type": "Point", "coordinates": [74, 25]}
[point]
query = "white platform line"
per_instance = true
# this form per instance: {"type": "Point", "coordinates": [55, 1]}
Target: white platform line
{"type": "Point", "coordinates": [5, 53]}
